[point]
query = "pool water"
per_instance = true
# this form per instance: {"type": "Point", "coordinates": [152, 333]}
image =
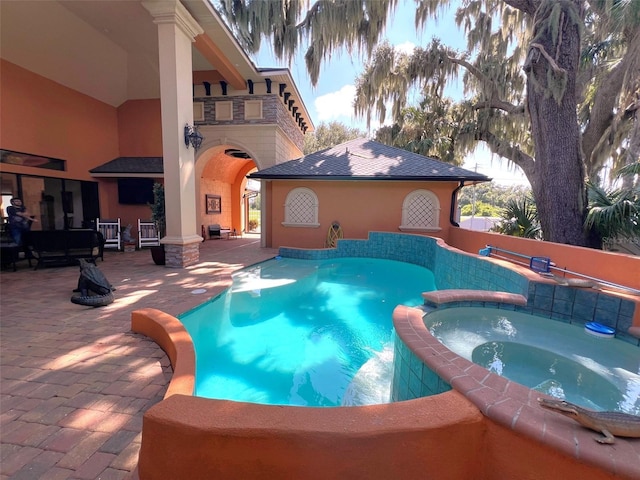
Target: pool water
{"type": "Point", "coordinates": [553, 357]}
{"type": "Point", "coordinates": [304, 332]}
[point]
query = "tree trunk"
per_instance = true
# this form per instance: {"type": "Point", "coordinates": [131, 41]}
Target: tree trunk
{"type": "Point", "coordinates": [552, 67]}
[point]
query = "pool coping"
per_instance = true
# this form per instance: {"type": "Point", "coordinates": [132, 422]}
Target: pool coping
{"type": "Point", "coordinates": [510, 404]}
{"type": "Point", "coordinates": [501, 401]}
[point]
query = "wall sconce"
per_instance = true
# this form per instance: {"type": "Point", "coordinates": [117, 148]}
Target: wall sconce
{"type": "Point", "coordinates": [192, 136]}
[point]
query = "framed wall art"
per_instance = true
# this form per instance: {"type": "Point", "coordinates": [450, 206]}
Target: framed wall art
{"type": "Point", "coordinates": [213, 204]}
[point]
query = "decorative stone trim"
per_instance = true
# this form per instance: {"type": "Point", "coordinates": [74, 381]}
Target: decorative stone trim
{"type": "Point", "coordinates": [179, 256]}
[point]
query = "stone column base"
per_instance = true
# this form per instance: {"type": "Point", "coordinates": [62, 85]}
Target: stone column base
{"type": "Point", "coordinates": [180, 256]}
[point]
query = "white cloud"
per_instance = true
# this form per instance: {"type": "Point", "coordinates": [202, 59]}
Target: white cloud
{"type": "Point", "coordinates": [406, 47]}
{"type": "Point", "coordinates": [335, 104]}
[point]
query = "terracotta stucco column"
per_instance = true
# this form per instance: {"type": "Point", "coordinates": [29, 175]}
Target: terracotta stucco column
{"type": "Point", "coordinates": [176, 31]}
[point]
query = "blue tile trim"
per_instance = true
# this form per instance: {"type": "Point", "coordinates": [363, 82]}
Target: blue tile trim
{"type": "Point", "coordinates": [453, 270]}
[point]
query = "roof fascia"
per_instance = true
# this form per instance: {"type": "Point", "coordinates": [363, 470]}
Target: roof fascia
{"type": "Point", "coordinates": [216, 57]}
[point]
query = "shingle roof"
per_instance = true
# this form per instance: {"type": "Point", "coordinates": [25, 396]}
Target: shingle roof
{"type": "Point", "coordinates": [363, 159]}
{"type": "Point", "coordinates": [128, 166]}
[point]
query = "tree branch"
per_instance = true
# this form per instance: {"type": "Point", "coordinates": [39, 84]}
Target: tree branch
{"type": "Point", "coordinates": [606, 99]}
{"type": "Point", "coordinates": [500, 105]}
{"type": "Point", "coordinates": [493, 102]}
{"type": "Point", "coordinates": [508, 151]}
{"type": "Point", "coordinates": [549, 58]}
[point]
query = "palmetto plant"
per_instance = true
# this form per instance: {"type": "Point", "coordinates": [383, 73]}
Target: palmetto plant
{"type": "Point", "coordinates": [520, 219]}
{"type": "Point", "coordinates": [613, 213]}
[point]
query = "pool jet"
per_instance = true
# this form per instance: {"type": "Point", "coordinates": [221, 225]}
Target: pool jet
{"type": "Point", "coordinates": [610, 424]}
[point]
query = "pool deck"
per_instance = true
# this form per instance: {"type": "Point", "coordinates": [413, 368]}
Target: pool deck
{"type": "Point", "coordinates": [74, 380]}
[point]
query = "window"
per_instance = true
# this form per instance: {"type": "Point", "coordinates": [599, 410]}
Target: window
{"type": "Point", "coordinates": [301, 208]}
{"type": "Point", "coordinates": [420, 211]}
{"type": "Point", "coordinates": [27, 160]}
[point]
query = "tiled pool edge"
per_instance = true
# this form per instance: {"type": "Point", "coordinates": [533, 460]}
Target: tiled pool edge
{"type": "Point", "coordinates": [458, 270]}
{"type": "Point", "coordinates": [505, 402]}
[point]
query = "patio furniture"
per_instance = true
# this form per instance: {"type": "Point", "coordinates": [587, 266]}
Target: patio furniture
{"type": "Point", "coordinates": [147, 234]}
{"type": "Point", "coordinates": [216, 231]}
{"type": "Point", "coordinates": [9, 254]}
{"type": "Point", "coordinates": [110, 230]}
{"type": "Point", "coordinates": [63, 247]}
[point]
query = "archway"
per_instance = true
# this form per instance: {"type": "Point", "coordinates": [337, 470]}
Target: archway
{"type": "Point", "coordinates": [221, 172]}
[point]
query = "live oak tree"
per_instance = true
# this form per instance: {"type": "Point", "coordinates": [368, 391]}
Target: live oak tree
{"type": "Point", "coordinates": [551, 85]}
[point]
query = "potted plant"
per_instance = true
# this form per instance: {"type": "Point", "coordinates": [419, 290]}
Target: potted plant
{"type": "Point", "coordinates": [159, 217]}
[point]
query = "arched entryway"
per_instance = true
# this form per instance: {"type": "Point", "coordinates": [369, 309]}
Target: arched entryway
{"type": "Point", "coordinates": [221, 187]}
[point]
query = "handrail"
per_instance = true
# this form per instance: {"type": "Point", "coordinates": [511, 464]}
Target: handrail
{"type": "Point", "coordinates": [552, 266]}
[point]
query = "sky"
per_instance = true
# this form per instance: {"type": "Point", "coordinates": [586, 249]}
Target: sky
{"type": "Point", "coordinates": [331, 99]}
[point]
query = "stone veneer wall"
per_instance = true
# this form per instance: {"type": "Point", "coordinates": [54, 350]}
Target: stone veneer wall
{"type": "Point", "coordinates": [179, 256]}
{"type": "Point", "coordinates": [273, 112]}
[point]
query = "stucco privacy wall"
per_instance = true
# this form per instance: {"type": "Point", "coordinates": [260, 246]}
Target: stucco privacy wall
{"type": "Point", "coordinates": [359, 206]}
{"type": "Point", "coordinates": [614, 267]}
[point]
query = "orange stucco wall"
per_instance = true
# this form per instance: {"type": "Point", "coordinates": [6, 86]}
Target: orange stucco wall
{"type": "Point", "coordinates": [613, 267]}
{"type": "Point", "coordinates": [359, 206]}
{"type": "Point", "coordinates": [443, 436]}
{"type": "Point", "coordinates": [140, 128]}
{"type": "Point", "coordinates": [39, 116]}
{"type": "Point", "coordinates": [42, 117]}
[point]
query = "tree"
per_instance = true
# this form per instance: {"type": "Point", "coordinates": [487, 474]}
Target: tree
{"type": "Point", "coordinates": [527, 78]}
{"type": "Point", "coordinates": [430, 129]}
{"type": "Point", "coordinates": [328, 135]}
{"type": "Point", "coordinates": [497, 196]}
{"type": "Point", "coordinates": [479, 209]}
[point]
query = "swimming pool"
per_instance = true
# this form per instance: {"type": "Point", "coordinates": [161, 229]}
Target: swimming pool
{"type": "Point", "coordinates": [549, 356]}
{"type": "Point", "coordinates": [304, 332]}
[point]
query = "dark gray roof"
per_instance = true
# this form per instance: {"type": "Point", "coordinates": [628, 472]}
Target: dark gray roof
{"type": "Point", "coordinates": [127, 166]}
{"type": "Point", "coordinates": [364, 159]}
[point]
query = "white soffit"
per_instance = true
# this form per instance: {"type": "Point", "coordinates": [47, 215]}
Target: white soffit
{"type": "Point", "coordinates": [46, 38]}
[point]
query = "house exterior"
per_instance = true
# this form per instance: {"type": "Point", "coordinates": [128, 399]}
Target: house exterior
{"type": "Point", "coordinates": [363, 186]}
{"type": "Point", "coordinates": [95, 99]}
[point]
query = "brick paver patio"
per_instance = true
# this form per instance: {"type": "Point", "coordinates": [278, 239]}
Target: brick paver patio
{"type": "Point", "coordinates": [75, 381]}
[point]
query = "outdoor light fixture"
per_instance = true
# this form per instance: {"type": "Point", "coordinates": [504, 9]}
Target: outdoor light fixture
{"type": "Point", "coordinates": [192, 136]}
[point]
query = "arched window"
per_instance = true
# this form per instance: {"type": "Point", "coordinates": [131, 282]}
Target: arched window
{"type": "Point", "coordinates": [301, 208]}
{"type": "Point", "coordinates": [420, 211]}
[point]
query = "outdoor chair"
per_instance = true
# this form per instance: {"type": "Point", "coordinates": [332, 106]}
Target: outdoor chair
{"type": "Point", "coordinates": [147, 234]}
{"type": "Point", "coordinates": [110, 230]}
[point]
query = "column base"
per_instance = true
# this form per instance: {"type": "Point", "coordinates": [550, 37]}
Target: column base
{"type": "Point", "coordinates": [180, 256]}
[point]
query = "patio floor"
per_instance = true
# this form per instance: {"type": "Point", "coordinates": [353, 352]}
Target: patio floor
{"type": "Point", "coordinates": [75, 381]}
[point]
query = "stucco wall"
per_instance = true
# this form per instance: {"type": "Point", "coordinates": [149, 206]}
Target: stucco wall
{"type": "Point", "coordinates": [42, 117]}
{"type": "Point", "coordinates": [359, 206]}
{"type": "Point", "coordinates": [140, 128]}
{"type": "Point", "coordinates": [613, 267]}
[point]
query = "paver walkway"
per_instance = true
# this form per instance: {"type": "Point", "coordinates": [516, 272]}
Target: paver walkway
{"type": "Point", "coordinates": [75, 381]}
